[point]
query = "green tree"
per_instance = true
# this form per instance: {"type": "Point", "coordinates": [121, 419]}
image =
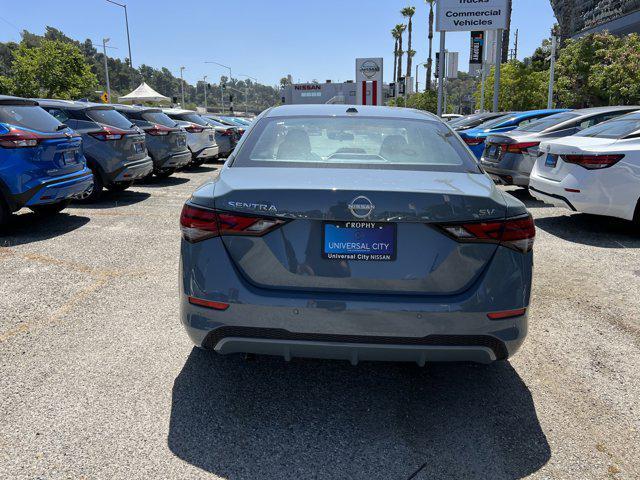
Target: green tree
{"type": "Point", "coordinates": [427, 100]}
{"type": "Point", "coordinates": [619, 77]}
{"type": "Point", "coordinates": [430, 59]}
{"type": "Point", "coordinates": [409, 12]}
{"type": "Point", "coordinates": [521, 88]}
{"type": "Point", "coordinates": [395, 34]}
{"type": "Point", "coordinates": [54, 69]}
{"type": "Point", "coordinates": [400, 28]}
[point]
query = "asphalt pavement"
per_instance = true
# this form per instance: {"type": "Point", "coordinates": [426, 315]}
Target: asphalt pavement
{"type": "Point", "coordinates": [99, 381]}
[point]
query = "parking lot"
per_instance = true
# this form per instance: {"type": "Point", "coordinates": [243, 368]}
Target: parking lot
{"type": "Point", "coordinates": [98, 379]}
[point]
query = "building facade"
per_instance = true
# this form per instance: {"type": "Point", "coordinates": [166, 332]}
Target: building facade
{"type": "Point", "coordinates": [580, 17]}
{"type": "Point", "coordinates": [328, 92]}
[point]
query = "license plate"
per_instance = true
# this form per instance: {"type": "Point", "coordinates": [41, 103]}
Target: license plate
{"type": "Point", "coordinates": [181, 141]}
{"type": "Point", "coordinates": [551, 161]}
{"type": "Point", "coordinates": [211, 137]}
{"type": "Point", "coordinates": [138, 147]}
{"type": "Point", "coordinates": [364, 241]}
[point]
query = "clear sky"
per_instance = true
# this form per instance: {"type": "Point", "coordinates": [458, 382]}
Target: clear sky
{"type": "Point", "coordinates": [262, 38]}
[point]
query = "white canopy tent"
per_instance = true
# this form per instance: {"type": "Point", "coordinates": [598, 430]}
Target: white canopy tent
{"type": "Point", "coordinates": [144, 93]}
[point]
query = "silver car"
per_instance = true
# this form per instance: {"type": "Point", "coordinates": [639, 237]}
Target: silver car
{"type": "Point", "coordinates": [200, 135]}
{"type": "Point", "coordinates": [509, 157]}
{"type": "Point", "coordinates": [115, 149]}
{"type": "Point", "coordinates": [387, 243]}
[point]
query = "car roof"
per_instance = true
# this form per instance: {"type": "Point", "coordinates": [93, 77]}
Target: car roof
{"type": "Point", "coordinates": [72, 104]}
{"type": "Point", "coordinates": [533, 113]}
{"type": "Point", "coordinates": [11, 100]}
{"type": "Point", "coordinates": [341, 111]}
{"type": "Point", "coordinates": [178, 111]}
{"type": "Point", "coordinates": [135, 108]}
{"type": "Point", "coordinates": [597, 110]}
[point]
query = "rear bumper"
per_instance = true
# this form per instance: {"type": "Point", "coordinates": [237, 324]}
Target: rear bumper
{"type": "Point", "coordinates": [208, 152]}
{"type": "Point", "coordinates": [175, 161]}
{"type": "Point", "coordinates": [133, 170]}
{"type": "Point", "coordinates": [512, 169]}
{"type": "Point", "coordinates": [55, 190]}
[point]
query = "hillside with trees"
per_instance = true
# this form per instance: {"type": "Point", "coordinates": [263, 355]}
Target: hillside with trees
{"type": "Point", "coordinates": [55, 65]}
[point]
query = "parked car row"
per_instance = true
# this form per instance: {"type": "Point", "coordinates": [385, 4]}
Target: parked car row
{"type": "Point", "coordinates": [586, 160]}
{"type": "Point", "coordinates": [56, 151]}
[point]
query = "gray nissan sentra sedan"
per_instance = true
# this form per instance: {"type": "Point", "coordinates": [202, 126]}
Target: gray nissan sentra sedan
{"type": "Point", "coordinates": [387, 242]}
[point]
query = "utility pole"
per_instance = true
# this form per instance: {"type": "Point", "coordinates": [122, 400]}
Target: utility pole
{"type": "Point", "coordinates": [182, 85]}
{"type": "Point", "coordinates": [552, 70]}
{"type": "Point", "coordinates": [106, 67]}
{"type": "Point", "coordinates": [417, 84]}
{"type": "Point", "coordinates": [515, 46]}
{"type": "Point", "coordinates": [205, 93]}
{"type": "Point", "coordinates": [126, 21]}
{"type": "Point", "coordinates": [441, 73]}
{"type": "Point", "coordinates": [496, 76]}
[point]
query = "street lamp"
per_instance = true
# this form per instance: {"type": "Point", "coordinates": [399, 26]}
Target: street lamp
{"type": "Point", "coordinates": [246, 93]}
{"type": "Point", "coordinates": [126, 21]}
{"type": "Point", "coordinates": [106, 67]}
{"type": "Point", "coordinates": [182, 85]}
{"type": "Point", "coordinates": [417, 85]}
{"type": "Point", "coordinates": [221, 89]}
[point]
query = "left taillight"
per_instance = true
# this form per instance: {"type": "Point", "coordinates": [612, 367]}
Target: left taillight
{"type": "Point", "coordinates": [110, 133]}
{"type": "Point", "coordinates": [520, 147]}
{"type": "Point", "coordinates": [197, 224]}
{"type": "Point", "coordinates": [517, 233]}
{"type": "Point", "coordinates": [158, 130]}
{"type": "Point", "coordinates": [17, 138]}
{"type": "Point", "coordinates": [472, 142]}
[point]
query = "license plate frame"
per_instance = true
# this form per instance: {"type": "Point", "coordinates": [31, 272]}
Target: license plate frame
{"type": "Point", "coordinates": [381, 239]}
{"type": "Point", "coordinates": [551, 161]}
{"type": "Point", "coordinates": [138, 147]}
{"type": "Point", "coordinates": [69, 157]}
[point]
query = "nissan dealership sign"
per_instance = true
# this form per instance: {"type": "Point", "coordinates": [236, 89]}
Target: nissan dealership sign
{"type": "Point", "coordinates": [468, 15]}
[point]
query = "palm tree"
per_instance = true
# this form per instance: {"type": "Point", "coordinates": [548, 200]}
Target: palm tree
{"type": "Point", "coordinates": [400, 28]}
{"type": "Point", "coordinates": [409, 12]}
{"type": "Point", "coordinates": [430, 60]}
{"type": "Point", "coordinates": [396, 36]}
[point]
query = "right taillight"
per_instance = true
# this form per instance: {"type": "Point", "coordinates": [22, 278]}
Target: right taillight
{"type": "Point", "coordinates": [517, 233]}
{"type": "Point", "coordinates": [193, 128]}
{"type": "Point", "coordinates": [520, 147]}
{"type": "Point", "coordinates": [472, 142]}
{"type": "Point", "coordinates": [198, 223]}
{"type": "Point", "coordinates": [17, 138]}
{"type": "Point", "coordinates": [593, 162]}
{"type": "Point", "coordinates": [110, 133]}
{"type": "Point", "coordinates": [158, 131]}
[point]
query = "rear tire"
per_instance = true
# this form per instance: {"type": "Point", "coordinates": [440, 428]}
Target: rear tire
{"type": "Point", "coordinates": [51, 209]}
{"type": "Point", "coordinates": [636, 217]}
{"type": "Point", "coordinates": [5, 213]}
{"type": "Point", "coordinates": [197, 163]}
{"type": "Point", "coordinates": [94, 194]}
{"type": "Point", "coordinates": [165, 173]}
{"type": "Point", "coordinates": [120, 186]}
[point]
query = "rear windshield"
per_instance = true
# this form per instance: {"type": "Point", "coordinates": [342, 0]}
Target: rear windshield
{"type": "Point", "coordinates": [159, 118]}
{"type": "Point", "coordinates": [496, 121]}
{"type": "Point", "coordinates": [109, 117]}
{"type": "Point", "coordinates": [355, 142]}
{"type": "Point", "coordinates": [619, 128]}
{"type": "Point", "coordinates": [28, 116]}
{"type": "Point", "coordinates": [548, 122]}
{"type": "Point", "coordinates": [194, 118]}
{"type": "Point", "coordinates": [213, 122]}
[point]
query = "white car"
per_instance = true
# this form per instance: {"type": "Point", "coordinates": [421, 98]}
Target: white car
{"type": "Point", "coordinates": [596, 171]}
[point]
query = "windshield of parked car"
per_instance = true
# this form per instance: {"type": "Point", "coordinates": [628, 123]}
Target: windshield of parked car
{"type": "Point", "coordinates": [213, 122]}
{"type": "Point", "coordinates": [495, 122]}
{"type": "Point", "coordinates": [616, 129]}
{"type": "Point", "coordinates": [548, 122]}
{"type": "Point", "coordinates": [355, 142]}
{"type": "Point", "coordinates": [159, 118]}
{"type": "Point", "coordinates": [110, 117]}
{"type": "Point", "coordinates": [28, 116]}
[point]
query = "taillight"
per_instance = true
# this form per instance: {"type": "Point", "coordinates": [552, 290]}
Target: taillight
{"type": "Point", "coordinates": [521, 147]}
{"type": "Point", "coordinates": [193, 128]}
{"type": "Point", "coordinates": [158, 130]}
{"type": "Point", "coordinates": [517, 233]}
{"type": "Point", "coordinates": [473, 141]}
{"type": "Point", "coordinates": [228, 132]}
{"type": "Point", "coordinates": [109, 133]}
{"type": "Point", "coordinates": [199, 223]}
{"type": "Point", "coordinates": [17, 138]}
{"type": "Point", "coordinates": [593, 162]}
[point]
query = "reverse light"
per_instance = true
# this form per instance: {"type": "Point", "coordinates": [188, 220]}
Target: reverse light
{"type": "Point", "coordinates": [593, 162]}
{"type": "Point", "coordinates": [17, 138]}
{"type": "Point", "coordinates": [520, 147]}
{"type": "Point", "coordinates": [473, 141]}
{"type": "Point", "coordinates": [516, 233]}
{"type": "Point", "coordinates": [197, 224]}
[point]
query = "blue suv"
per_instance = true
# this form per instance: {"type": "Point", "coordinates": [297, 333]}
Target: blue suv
{"type": "Point", "coordinates": [41, 162]}
{"type": "Point", "coordinates": [475, 137]}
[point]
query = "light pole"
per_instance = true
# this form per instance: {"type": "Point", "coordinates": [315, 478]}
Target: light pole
{"type": "Point", "coordinates": [182, 85]}
{"type": "Point", "coordinates": [246, 96]}
{"type": "Point", "coordinates": [205, 93]}
{"type": "Point", "coordinates": [417, 84]}
{"type": "Point", "coordinates": [126, 21]}
{"type": "Point", "coordinates": [552, 70]}
{"type": "Point", "coordinates": [221, 88]}
{"type": "Point", "coordinates": [106, 67]}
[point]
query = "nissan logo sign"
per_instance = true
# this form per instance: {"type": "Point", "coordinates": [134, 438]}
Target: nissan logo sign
{"type": "Point", "coordinates": [369, 68]}
{"type": "Point", "coordinates": [361, 207]}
